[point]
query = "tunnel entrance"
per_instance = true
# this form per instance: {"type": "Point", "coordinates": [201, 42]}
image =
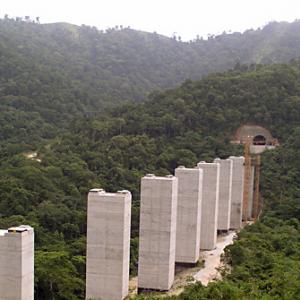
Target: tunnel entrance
{"type": "Point", "coordinates": [259, 140]}
{"type": "Point", "coordinates": [259, 137]}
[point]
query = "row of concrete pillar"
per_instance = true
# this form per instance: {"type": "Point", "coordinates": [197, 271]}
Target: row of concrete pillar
{"type": "Point", "coordinates": [179, 215]}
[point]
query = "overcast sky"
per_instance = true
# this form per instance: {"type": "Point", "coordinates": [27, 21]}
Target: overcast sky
{"type": "Point", "coordinates": [186, 18]}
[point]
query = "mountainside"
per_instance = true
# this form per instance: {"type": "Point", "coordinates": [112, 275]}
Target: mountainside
{"type": "Point", "coordinates": [179, 126]}
{"type": "Point", "coordinates": [51, 73]}
{"type": "Point", "coordinates": [113, 149]}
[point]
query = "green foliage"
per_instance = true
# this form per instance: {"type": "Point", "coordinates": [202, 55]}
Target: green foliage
{"type": "Point", "coordinates": [53, 74]}
{"type": "Point", "coordinates": [264, 261]}
{"type": "Point", "coordinates": [57, 276]}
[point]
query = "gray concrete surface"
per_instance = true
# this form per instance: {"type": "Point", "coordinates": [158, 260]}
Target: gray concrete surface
{"type": "Point", "coordinates": [188, 214]}
{"type": "Point", "coordinates": [157, 238]}
{"type": "Point", "coordinates": [210, 202]}
{"type": "Point", "coordinates": [17, 263]}
{"type": "Point", "coordinates": [257, 149]}
{"type": "Point", "coordinates": [224, 193]}
{"type": "Point", "coordinates": [237, 192]}
{"type": "Point", "coordinates": [108, 245]}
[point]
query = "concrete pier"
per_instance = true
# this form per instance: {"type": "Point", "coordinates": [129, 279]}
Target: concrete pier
{"type": "Point", "coordinates": [210, 202]}
{"type": "Point", "coordinates": [237, 192]}
{"type": "Point", "coordinates": [251, 194]}
{"type": "Point", "coordinates": [188, 214]}
{"type": "Point", "coordinates": [17, 263]}
{"type": "Point", "coordinates": [224, 193]}
{"type": "Point", "coordinates": [108, 245]}
{"type": "Point", "coordinates": [157, 236]}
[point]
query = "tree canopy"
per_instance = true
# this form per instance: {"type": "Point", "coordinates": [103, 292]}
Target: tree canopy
{"type": "Point", "coordinates": [60, 136]}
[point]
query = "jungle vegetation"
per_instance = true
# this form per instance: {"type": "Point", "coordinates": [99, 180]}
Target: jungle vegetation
{"type": "Point", "coordinates": [52, 73]}
{"type": "Point", "coordinates": [59, 89]}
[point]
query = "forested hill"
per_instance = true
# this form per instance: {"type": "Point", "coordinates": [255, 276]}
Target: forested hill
{"type": "Point", "coordinates": [179, 126]}
{"type": "Point", "coordinates": [51, 72]}
{"type": "Point", "coordinates": [124, 64]}
{"type": "Point", "coordinates": [113, 149]}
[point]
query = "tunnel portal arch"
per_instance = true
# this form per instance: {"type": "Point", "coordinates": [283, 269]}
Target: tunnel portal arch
{"type": "Point", "coordinates": [258, 134]}
{"type": "Point", "coordinates": [259, 140]}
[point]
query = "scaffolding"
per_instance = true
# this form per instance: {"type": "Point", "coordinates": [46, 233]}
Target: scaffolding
{"type": "Point", "coordinates": [247, 177]}
{"type": "Point", "coordinates": [256, 199]}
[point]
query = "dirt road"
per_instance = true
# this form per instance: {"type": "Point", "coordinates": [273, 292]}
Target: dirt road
{"type": "Point", "coordinates": [213, 259]}
{"type": "Point", "coordinates": [186, 276]}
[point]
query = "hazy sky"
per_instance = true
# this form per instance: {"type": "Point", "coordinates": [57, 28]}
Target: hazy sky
{"type": "Point", "coordinates": [186, 18]}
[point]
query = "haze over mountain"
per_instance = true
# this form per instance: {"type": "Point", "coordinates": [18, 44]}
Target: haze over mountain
{"type": "Point", "coordinates": [51, 73]}
{"type": "Point", "coordinates": [65, 93]}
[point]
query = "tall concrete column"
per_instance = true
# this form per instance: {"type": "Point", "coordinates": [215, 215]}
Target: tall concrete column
{"type": "Point", "coordinates": [17, 263]}
{"type": "Point", "coordinates": [251, 193]}
{"type": "Point", "coordinates": [157, 236]}
{"type": "Point", "coordinates": [188, 214]}
{"type": "Point", "coordinates": [237, 191]}
{"type": "Point", "coordinates": [108, 245]}
{"type": "Point", "coordinates": [210, 202]}
{"type": "Point", "coordinates": [224, 193]}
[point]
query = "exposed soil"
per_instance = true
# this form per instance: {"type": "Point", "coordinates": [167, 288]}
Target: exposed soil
{"type": "Point", "coordinates": [204, 273]}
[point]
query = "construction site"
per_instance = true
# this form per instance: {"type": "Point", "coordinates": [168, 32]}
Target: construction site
{"type": "Point", "coordinates": [186, 221]}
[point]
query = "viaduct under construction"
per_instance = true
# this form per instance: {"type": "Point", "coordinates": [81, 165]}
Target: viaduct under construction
{"type": "Point", "coordinates": [256, 139]}
{"type": "Point", "coordinates": [179, 216]}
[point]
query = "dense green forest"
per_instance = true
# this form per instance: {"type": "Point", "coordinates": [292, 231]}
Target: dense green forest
{"type": "Point", "coordinates": [114, 148]}
{"type": "Point", "coordinates": [51, 73]}
{"type": "Point", "coordinates": [69, 94]}
{"type": "Point", "coordinates": [264, 261]}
